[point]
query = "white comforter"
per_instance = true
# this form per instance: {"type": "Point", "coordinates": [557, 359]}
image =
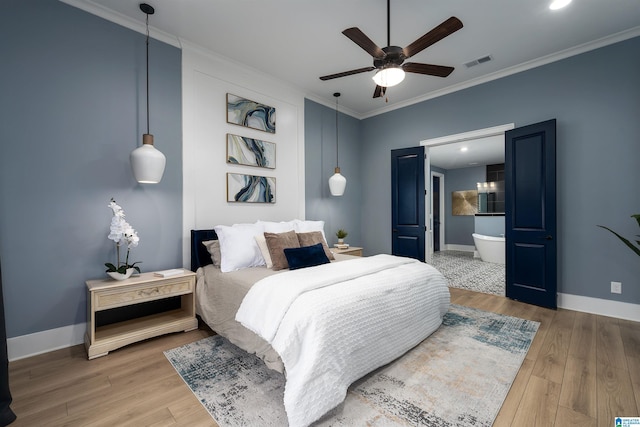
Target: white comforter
{"type": "Point", "coordinates": [334, 323]}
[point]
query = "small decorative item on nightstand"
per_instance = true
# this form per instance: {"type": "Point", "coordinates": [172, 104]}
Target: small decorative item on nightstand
{"type": "Point", "coordinates": [341, 234]}
{"type": "Point", "coordinates": [121, 233]}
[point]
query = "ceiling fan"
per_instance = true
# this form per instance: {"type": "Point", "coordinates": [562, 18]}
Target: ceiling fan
{"type": "Point", "coordinates": [389, 61]}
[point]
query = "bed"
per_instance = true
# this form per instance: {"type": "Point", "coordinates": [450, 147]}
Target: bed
{"type": "Point", "coordinates": [324, 326]}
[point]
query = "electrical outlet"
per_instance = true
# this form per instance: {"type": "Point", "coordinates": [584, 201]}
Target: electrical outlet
{"type": "Point", "coordinates": [616, 287]}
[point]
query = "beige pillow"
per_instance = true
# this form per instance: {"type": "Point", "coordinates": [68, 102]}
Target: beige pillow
{"type": "Point", "coordinates": [213, 247]}
{"type": "Point", "coordinates": [264, 250]}
{"type": "Point", "coordinates": [277, 243]}
{"type": "Point", "coordinates": [312, 238]}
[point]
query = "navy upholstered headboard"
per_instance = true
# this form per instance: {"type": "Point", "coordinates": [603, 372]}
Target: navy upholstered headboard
{"type": "Point", "coordinates": [199, 254]}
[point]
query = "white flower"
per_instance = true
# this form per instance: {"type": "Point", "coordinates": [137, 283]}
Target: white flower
{"type": "Point", "coordinates": [122, 233]}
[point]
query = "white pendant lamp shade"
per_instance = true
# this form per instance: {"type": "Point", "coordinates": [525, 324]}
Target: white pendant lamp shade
{"type": "Point", "coordinates": [388, 77]}
{"type": "Point", "coordinates": [147, 162]}
{"type": "Point", "coordinates": [337, 183]}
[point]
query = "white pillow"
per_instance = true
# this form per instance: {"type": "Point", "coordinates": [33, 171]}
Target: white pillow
{"type": "Point", "coordinates": [264, 249]}
{"type": "Point", "coordinates": [277, 227]}
{"type": "Point", "coordinates": [238, 247]}
{"type": "Point", "coordinates": [307, 226]}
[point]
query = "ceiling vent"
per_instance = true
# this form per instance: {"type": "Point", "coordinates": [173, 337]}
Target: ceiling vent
{"type": "Point", "coordinates": [479, 61]}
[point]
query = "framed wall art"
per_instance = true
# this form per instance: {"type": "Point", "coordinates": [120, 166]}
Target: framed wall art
{"type": "Point", "coordinates": [250, 188]}
{"type": "Point", "coordinates": [464, 202]}
{"type": "Point", "coordinates": [250, 152]}
{"type": "Point", "coordinates": [251, 114]}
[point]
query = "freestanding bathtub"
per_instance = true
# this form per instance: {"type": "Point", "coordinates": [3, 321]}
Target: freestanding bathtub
{"type": "Point", "coordinates": [490, 248]}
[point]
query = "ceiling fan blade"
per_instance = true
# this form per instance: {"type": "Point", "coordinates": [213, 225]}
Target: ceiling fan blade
{"type": "Point", "coordinates": [443, 30]}
{"type": "Point", "coordinates": [347, 73]}
{"type": "Point", "coordinates": [361, 39]}
{"type": "Point", "coordinates": [432, 70]}
{"type": "Point", "coordinates": [379, 92]}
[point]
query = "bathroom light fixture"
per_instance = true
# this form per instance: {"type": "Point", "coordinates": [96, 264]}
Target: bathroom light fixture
{"type": "Point", "coordinates": [337, 182]}
{"type": "Point", "coordinates": [558, 4]}
{"type": "Point", "coordinates": [389, 76]}
{"type": "Point", "coordinates": [147, 162]}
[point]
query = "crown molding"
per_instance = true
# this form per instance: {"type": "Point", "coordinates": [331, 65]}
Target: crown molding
{"type": "Point", "coordinates": [123, 20]}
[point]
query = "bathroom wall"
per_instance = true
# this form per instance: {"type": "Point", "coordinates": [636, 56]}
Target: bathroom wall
{"type": "Point", "coordinates": [460, 227]}
{"type": "Point", "coordinates": [489, 225]}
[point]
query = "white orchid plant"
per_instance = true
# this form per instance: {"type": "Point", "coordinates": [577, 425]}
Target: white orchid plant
{"type": "Point", "coordinates": [122, 234]}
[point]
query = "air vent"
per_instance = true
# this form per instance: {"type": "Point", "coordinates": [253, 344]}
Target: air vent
{"type": "Point", "coordinates": [479, 61]}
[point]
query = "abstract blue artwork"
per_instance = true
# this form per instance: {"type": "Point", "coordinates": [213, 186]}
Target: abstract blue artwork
{"type": "Point", "coordinates": [250, 114]}
{"type": "Point", "coordinates": [250, 188]}
{"type": "Point", "coordinates": [251, 152]}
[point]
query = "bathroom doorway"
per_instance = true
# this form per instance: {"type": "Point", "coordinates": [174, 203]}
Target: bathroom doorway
{"type": "Point", "coordinates": [452, 149]}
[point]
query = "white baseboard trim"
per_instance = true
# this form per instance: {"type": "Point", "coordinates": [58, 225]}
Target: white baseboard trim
{"type": "Point", "coordinates": [67, 336]}
{"type": "Point", "coordinates": [602, 307]}
{"type": "Point", "coordinates": [465, 248]}
{"type": "Point", "coordinates": [45, 341]}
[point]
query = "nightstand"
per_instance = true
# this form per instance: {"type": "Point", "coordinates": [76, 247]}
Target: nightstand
{"type": "Point", "coordinates": [107, 294]}
{"type": "Point", "coordinates": [351, 250]}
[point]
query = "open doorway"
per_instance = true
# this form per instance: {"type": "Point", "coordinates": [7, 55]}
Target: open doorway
{"type": "Point", "coordinates": [457, 163]}
{"type": "Point", "coordinates": [464, 150]}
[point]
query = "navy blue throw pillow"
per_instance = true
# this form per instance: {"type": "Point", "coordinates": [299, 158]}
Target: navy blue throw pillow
{"type": "Point", "coordinates": [306, 256]}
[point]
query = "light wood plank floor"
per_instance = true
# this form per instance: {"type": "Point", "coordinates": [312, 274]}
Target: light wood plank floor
{"type": "Point", "coordinates": [581, 370]}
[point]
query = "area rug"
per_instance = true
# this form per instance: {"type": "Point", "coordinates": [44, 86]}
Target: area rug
{"type": "Point", "coordinates": [464, 271]}
{"type": "Point", "coordinates": [459, 376]}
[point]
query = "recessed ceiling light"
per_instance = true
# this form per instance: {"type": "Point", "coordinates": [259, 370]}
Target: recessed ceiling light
{"type": "Point", "coordinates": [463, 149]}
{"type": "Point", "coordinates": [558, 4]}
{"type": "Point", "coordinates": [473, 163]}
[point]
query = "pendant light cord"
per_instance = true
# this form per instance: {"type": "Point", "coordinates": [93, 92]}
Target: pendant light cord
{"type": "Point", "coordinates": [147, 73]}
{"type": "Point", "coordinates": [337, 94]}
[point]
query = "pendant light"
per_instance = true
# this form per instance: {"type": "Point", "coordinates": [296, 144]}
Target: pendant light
{"type": "Point", "coordinates": [337, 182]}
{"type": "Point", "coordinates": [147, 162]}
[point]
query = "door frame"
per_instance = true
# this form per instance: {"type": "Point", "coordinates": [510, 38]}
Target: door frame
{"type": "Point", "coordinates": [443, 140]}
{"type": "Point", "coordinates": [441, 213]}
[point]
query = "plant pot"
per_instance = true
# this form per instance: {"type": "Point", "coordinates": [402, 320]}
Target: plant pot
{"type": "Point", "coordinates": [340, 241]}
{"type": "Point", "coordinates": [119, 276]}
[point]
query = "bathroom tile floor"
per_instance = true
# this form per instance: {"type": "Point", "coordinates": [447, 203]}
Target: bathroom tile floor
{"type": "Point", "coordinates": [464, 271]}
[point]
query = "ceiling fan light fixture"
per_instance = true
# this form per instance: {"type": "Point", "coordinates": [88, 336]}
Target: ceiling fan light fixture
{"type": "Point", "coordinates": [559, 4]}
{"type": "Point", "coordinates": [389, 76]}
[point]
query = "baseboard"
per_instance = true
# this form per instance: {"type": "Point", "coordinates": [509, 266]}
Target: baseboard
{"type": "Point", "coordinates": [67, 336]}
{"type": "Point", "coordinates": [602, 307]}
{"type": "Point", "coordinates": [45, 341]}
{"type": "Point", "coordinates": [464, 248]}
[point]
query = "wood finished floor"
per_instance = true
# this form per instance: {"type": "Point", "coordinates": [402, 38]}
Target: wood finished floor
{"type": "Point", "coordinates": [581, 370]}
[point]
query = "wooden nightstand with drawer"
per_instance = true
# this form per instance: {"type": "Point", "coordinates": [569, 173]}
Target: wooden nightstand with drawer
{"type": "Point", "coordinates": [351, 250]}
{"type": "Point", "coordinates": [107, 294]}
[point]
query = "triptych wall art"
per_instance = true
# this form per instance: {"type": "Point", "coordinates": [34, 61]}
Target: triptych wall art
{"type": "Point", "coordinates": [246, 151]}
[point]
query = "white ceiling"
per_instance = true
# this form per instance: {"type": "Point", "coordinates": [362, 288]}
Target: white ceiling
{"type": "Point", "coordinates": [466, 154]}
{"type": "Point", "coordinates": [297, 41]}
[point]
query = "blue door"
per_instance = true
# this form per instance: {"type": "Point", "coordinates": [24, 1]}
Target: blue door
{"type": "Point", "coordinates": [407, 203]}
{"type": "Point", "coordinates": [530, 214]}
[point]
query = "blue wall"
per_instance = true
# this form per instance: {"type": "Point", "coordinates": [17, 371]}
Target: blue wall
{"type": "Point", "coordinates": [490, 225]}
{"type": "Point", "coordinates": [597, 157]}
{"type": "Point", "coordinates": [73, 108]}
{"type": "Point", "coordinates": [320, 161]}
{"type": "Point", "coordinates": [459, 228]}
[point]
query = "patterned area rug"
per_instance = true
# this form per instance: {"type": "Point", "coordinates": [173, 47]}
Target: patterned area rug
{"type": "Point", "coordinates": [464, 271]}
{"type": "Point", "coordinates": [459, 376]}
